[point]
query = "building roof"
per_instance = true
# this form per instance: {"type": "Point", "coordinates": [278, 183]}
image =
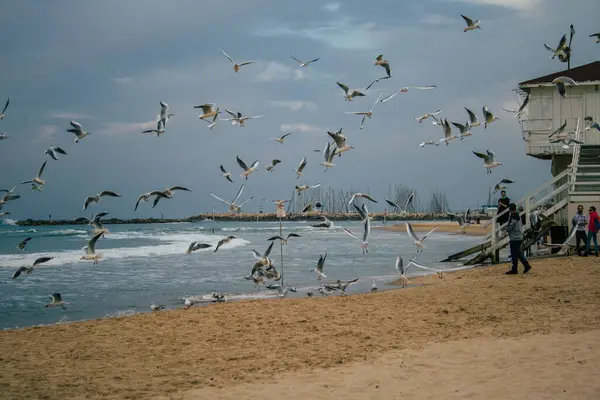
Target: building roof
{"type": "Point", "coordinates": [584, 73]}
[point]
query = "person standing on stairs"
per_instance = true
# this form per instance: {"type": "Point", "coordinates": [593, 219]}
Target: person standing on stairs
{"type": "Point", "coordinates": [515, 236]}
{"type": "Point", "coordinates": [580, 221]}
{"type": "Point", "coordinates": [593, 227]}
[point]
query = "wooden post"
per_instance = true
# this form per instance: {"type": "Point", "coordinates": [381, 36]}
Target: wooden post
{"type": "Point", "coordinates": [493, 252]}
{"type": "Point", "coordinates": [281, 249]}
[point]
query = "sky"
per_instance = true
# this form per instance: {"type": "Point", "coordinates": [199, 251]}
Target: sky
{"type": "Point", "coordinates": [108, 65]}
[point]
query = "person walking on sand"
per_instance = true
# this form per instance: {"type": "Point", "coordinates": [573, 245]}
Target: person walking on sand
{"type": "Point", "coordinates": [593, 227]}
{"type": "Point", "coordinates": [515, 236]}
{"type": "Point", "coordinates": [503, 203]}
{"type": "Point", "coordinates": [581, 222]}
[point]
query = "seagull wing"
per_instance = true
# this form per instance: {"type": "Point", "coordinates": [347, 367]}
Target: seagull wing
{"type": "Point", "coordinates": [59, 150]}
{"type": "Point", "coordinates": [246, 63]}
{"type": "Point", "coordinates": [109, 193]}
{"type": "Point", "coordinates": [486, 158]}
{"type": "Point", "coordinates": [244, 202]}
{"type": "Point", "coordinates": [91, 247]}
{"type": "Point", "coordinates": [504, 180]}
{"type": "Point", "coordinates": [42, 260]}
{"type": "Point", "coordinates": [472, 117]}
{"type": "Point", "coordinates": [87, 202]}
{"type": "Point", "coordinates": [350, 233]}
{"type": "Point", "coordinates": [232, 113]}
{"type": "Point", "coordinates": [297, 59]}
{"type": "Point", "coordinates": [367, 230]}
{"type": "Point", "coordinates": [409, 201]}
{"type": "Point", "coordinates": [218, 198]}
{"type": "Point", "coordinates": [254, 165]}
{"type": "Point", "coordinates": [312, 61]}
{"type": "Point", "coordinates": [223, 170]}
{"type": "Point", "coordinates": [549, 48]}
{"type": "Point", "coordinates": [6, 105]}
{"type": "Point", "coordinates": [268, 251]}
{"type": "Point", "coordinates": [428, 233]}
{"type": "Point", "coordinates": [239, 193]}
{"type": "Point", "coordinates": [460, 127]}
{"type": "Point", "coordinates": [19, 271]}
{"type": "Point", "coordinates": [410, 232]}
{"type": "Point", "coordinates": [562, 44]}
{"type": "Point", "coordinates": [172, 188]}
{"type": "Point", "coordinates": [391, 203]}
{"type": "Point", "coordinates": [226, 55]}
{"type": "Point", "coordinates": [242, 164]}
{"type": "Point", "coordinates": [400, 265]}
{"type": "Point", "coordinates": [344, 87]}
{"type": "Point", "coordinates": [388, 98]}
{"type": "Point", "coordinates": [41, 171]}
{"type": "Point", "coordinates": [360, 211]}
{"type": "Point", "coordinates": [491, 154]}
{"type": "Point", "coordinates": [286, 135]}
{"type": "Point", "coordinates": [468, 20]}
{"type": "Point", "coordinates": [76, 125]}
{"type": "Point", "coordinates": [302, 164]}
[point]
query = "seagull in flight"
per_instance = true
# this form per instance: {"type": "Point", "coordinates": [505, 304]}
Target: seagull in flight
{"type": "Point", "coordinates": [397, 207]}
{"type": "Point", "coordinates": [402, 270]}
{"type": "Point", "coordinates": [306, 187]}
{"type": "Point", "coordinates": [164, 115]}
{"type": "Point", "coordinates": [349, 94]}
{"type": "Point", "coordinates": [560, 50]}
{"type": "Point", "coordinates": [284, 241]}
{"type": "Point", "coordinates": [429, 143]}
{"type": "Point", "coordinates": [471, 25]}
{"type": "Point", "coordinates": [424, 117]}
{"type": "Point", "coordinates": [77, 130]}
{"type": "Point", "coordinates": [415, 238]}
{"type": "Point", "coordinates": [160, 129]}
{"type": "Point", "coordinates": [365, 114]}
{"type": "Point", "coordinates": [223, 241]}
{"type": "Point", "coordinates": [232, 206]}
{"type": "Point", "coordinates": [340, 142]}
{"type": "Point", "coordinates": [521, 108]}
{"type": "Point", "coordinates": [363, 196]}
{"type": "Point", "coordinates": [473, 120]}
{"type": "Point", "coordinates": [300, 168]}
{"type": "Point", "coordinates": [489, 160]}
{"type": "Point", "coordinates": [53, 151]}
{"type": "Point", "coordinates": [98, 197]}
{"type": "Point", "coordinates": [167, 193]}
{"type": "Point", "coordinates": [566, 142]}
{"type": "Point", "coordinates": [320, 267]}
{"type": "Point", "coordinates": [238, 119]}
{"type": "Point", "coordinates": [597, 36]}
{"type": "Point", "coordinates": [380, 61]}
{"type": "Point", "coordinates": [56, 300]}
{"type": "Point", "coordinates": [209, 110]}
{"type": "Point", "coordinates": [4, 109]}
{"type": "Point", "coordinates": [90, 250]}
{"type": "Point", "coordinates": [247, 171]}
{"type": "Point", "coordinates": [488, 117]}
{"type": "Point", "coordinates": [560, 83]}
{"type": "Point", "coordinates": [448, 136]}
{"type": "Point", "coordinates": [404, 90]}
{"type": "Point", "coordinates": [236, 67]}
{"type": "Point", "coordinates": [197, 246]}
{"type": "Point", "coordinates": [328, 154]}
{"type": "Point", "coordinates": [272, 165]}
{"type": "Point", "coordinates": [364, 245]}
{"type": "Point", "coordinates": [462, 221]}
{"type": "Point", "coordinates": [38, 178]}
{"type": "Point", "coordinates": [29, 270]}
{"type": "Point", "coordinates": [226, 175]}
{"type": "Point", "coordinates": [304, 64]}
{"type": "Point", "coordinates": [500, 185]}
{"type": "Point", "coordinates": [465, 130]}
{"type": "Point", "coordinates": [23, 244]}
{"type": "Point", "coordinates": [282, 138]}
{"type": "Point", "coordinates": [4, 135]}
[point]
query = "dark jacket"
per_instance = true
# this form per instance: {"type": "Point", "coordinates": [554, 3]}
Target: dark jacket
{"type": "Point", "coordinates": [514, 227]}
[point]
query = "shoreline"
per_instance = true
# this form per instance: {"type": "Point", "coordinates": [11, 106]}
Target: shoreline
{"type": "Point", "coordinates": [445, 226]}
{"type": "Point", "coordinates": [245, 217]}
{"type": "Point", "coordinates": [215, 349]}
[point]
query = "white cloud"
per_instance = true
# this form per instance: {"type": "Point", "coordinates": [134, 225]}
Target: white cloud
{"type": "Point", "coordinates": [300, 127]}
{"type": "Point", "coordinates": [276, 71]}
{"type": "Point", "coordinates": [332, 7]}
{"type": "Point", "coordinates": [125, 79]}
{"type": "Point", "coordinates": [119, 128]}
{"type": "Point", "coordinates": [46, 133]}
{"type": "Point", "coordinates": [520, 5]}
{"type": "Point", "coordinates": [67, 115]}
{"type": "Point", "coordinates": [294, 105]}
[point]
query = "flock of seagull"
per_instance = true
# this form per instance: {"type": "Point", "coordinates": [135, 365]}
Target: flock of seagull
{"type": "Point", "coordinates": [263, 268]}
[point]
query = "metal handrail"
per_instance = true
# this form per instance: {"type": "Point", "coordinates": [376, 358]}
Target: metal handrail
{"type": "Point", "coordinates": [575, 161]}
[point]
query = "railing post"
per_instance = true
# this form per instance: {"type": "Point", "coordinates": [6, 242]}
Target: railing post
{"type": "Point", "coordinates": [494, 240]}
{"type": "Point", "coordinates": [527, 210]}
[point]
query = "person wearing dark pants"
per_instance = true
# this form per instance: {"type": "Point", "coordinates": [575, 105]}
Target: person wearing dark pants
{"type": "Point", "coordinates": [593, 226]}
{"type": "Point", "coordinates": [515, 236]}
{"type": "Point", "coordinates": [581, 222]}
{"type": "Point", "coordinates": [503, 203]}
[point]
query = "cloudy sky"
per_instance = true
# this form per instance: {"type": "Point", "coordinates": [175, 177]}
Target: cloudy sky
{"type": "Point", "coordinates": [108, 64]}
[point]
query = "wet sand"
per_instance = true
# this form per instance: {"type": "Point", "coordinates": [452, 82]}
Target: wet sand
{"type": "Point", "coordinates": [444, 226]}
{"type": "Point", "coordinates": [464, 335]}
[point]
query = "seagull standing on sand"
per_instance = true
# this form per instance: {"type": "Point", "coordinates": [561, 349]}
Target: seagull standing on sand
{"type": "Point", "coordinates": [77, 130]}
{"type": "Point", "coordinates": [56, 300]}
{"type": "Point", "coordinates": [521, 108]}
{"type": "Point", "coordinates": [404, 90]}
{"type": "Point", "coordinates": [160, 129]}
{"type": "Point", "coordinates": [272, 165]}
{"type": "Point", "coordinates": [471, 25]}
{"type": "Point", "coordinates": [301, 167]}
{"type": "Point", "coordinates": [236, 66]}
{"type": "Point", "coordinates": [560, 83]}
{"type": "Point", "coordinates": [38, 178]}
{"type": "Point", "coordinates": [232, 206]}
{"type": "Point", "coordinates": [415, 238]}
{"type": "Point", "coordinates": [320, 267]}
{"type": "Point", "coordinates": [98, 197]}
{"type": "Point", "coordinates": [365, 114]}
{"type": "Point", "coordinates": [363, 196]}
{"type": "Point", "coordinates": [282, 138]}
{"type": "Point", "coordinates": [424, 117]}
{"type": "Point", "coordinates": [383, 63]}
{"type": "Point", "coordinates": [167, 193]}
{"type": "Point", "coordinates": [226, 175]}
{"type": "Point", "coordinates": [53, 151]}
{"type": "Point", "coordinates": [238, 119]}
{"type": "Point", "coordinates": [304, 64]}
{"type": "Point", "coordinates": [489, 160]}
{"type": "Point", "coordinates": [197, 246]}
{"type": "Point", "coordinates": [488, 117]}
{"type": "Point", "coordinates": [448, 136]}
{"type": "Point", "coordinates": [373, 286]}
{"type": "Point", "coordinates": [156, 307]}
{"type": "Point", "coordinates": [29, 270]}
{"type": "Point", "coordinates": [328, 154]}
{"type": "Point", "coordinates": [247, 171]}
{"type": "Point", "coordinates": [90, 250]}
{"type": "Point", "coordinates": [223, 241]}
{"type": "Point", "coordinates": [5, 107]}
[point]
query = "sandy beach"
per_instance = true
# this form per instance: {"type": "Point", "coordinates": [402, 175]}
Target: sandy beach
{"type": "Point", "coordinates": [476, 333]}
{"type": "Point", "coordinates": [444, 227]}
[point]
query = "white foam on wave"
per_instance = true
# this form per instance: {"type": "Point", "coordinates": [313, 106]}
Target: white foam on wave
{"type": "Point", "coordinates": [69, 257]}
{"type": "Point", "coordinates": [8, 221]}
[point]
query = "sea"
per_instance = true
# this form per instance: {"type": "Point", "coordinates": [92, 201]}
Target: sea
{"type": "Point", "coordinates": [146, 263]}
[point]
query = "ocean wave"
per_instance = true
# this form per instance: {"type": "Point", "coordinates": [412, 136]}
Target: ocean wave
{"type": "Point", "coordinates": [120, 313]}
{"type": "Point", "coordinates": [8, 221]}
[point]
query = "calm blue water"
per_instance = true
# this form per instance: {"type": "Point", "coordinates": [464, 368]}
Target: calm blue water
{"type": "Point", "coordinates": [147, 263]}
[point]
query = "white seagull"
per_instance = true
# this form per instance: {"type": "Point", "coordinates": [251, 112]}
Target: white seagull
{"type": "Point", "coordinates": [471, 25]}
{"type": "Point", "coordinates": [448, 136]}
{"type": "Point", "coordinates": [238, 119]}
{"type": "Point", "coordinates": [164, 115]}
{"type": "Point", "coordinates": [209, 110]}
{"type": "Point", "coordinates": [489, 160]}
{"type": "Point", "coordinates": [53, 151]}
{"type": "Point", "coordinates": [349, 94]}
{"type": "Point", "coordinates": [232, 205]}
{"type": "Point", "coordinates": [396, 206]}
{"type": "Point", "coordinates": [156, 307]}
{"type": "Point", "coordinates": [301, 167]}
{"type": "Point", "coordinates": [56, 300]}
{"type": "Point", "coordinates": [365, 114]}
{"type": "Point", "coordinates": [306, 187]}
{"type": "Point", "coordinates": [418, 242]}
{"type": "Point", "coordinates": [500, 185]}
{"type": "Point", "coordinates": [29, 270]}
{"type": "Point", "coordinates": [473, 120]}
{"type": "Point", "coordinates": [463, 223]}
{"type": "Point", "coordinates": [38, 178]}
{"type": "Point", "coordinates": [236, 67]}
{"type": "Point", "coordinates": [465, 130]}
{"type": "Point", "coordinates": [560, 83]}
{"type": "Point", "coordinates": [281, 138]}
{"type": "Point", "coordinates": [272, 165]}
{"type": "Point", "coordinates": [247, 170]}
{"type": "Point", "coordinates": [328, 154]}
{"type": "Point", "coordinates": [362, 196]}
{"type": "Point", "coordinates": [320, 267]}
{"type": "Point", "coordinates": [304, 64]}
{"type": "Point", "coordinates": [560, 50]}
{"type": "Point", "coordinates": [405, 89]}
{"type": "Point", "coordinates": [4, 135]}
{"type": "Point", "coordinates": [364, 245]}
{"type": "Point", "coordinates": [424, 117]}
{"type": "Point", "coordinates": [98, 197]}
{"type": "Point", "coordinates": [167, 193]}
{"type": "Point", "coordinates": [521, 107]}
{"type": "Point", "coordinates": [402, 270]}
{"type": "Point", "coordinates": [197, 246]}
{"type": "Point", "coordinates": [90, 250]}
{"type": "Point", "coordinates": [383, 63]}
{"type": "Point", "coordinates": [340, 142]}
{"type": "Point", "coordinates": [429, 143]}
{"type": "Point", "coordinates": [488, 117]}
{"type": "Point", "coordinates": [77, 130]}
{"type": "Point", "coordinates": [160, 129]}
{"type": "Point", "coordinates": [5, 107]}
{"type": "Point", "coordinates": [226, 175]}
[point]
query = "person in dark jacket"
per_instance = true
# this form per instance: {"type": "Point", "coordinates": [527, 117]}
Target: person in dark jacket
{"type": "Point", "coordinates": [515, 236]}
{"type": "Point", "coordinates": [581, 222]}
{"type": "Point", "coordinates": [593, 230]}
{"type": "Point", "coordinates": [503, 203]}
